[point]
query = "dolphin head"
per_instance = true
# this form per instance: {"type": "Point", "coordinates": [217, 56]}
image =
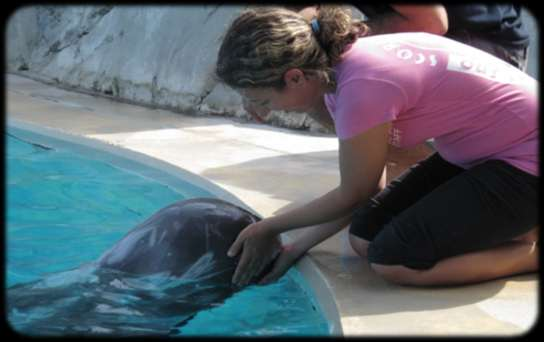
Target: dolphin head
{"type": "Point", "coordinates": [188, 238]}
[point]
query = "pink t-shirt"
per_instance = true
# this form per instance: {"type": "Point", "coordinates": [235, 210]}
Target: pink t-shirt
{"type": "Point", "coordinates": [475, 106]}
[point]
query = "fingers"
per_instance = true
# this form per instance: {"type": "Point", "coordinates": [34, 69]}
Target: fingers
{"type": "Point", "coordinates": [281, 265]}
{"type": "Point", "coordinates": [248, 268]}
{"type": "Point", "coordinates": [271, 277]}
{"type": "Point", "coordinates": [236, 245]}
{"type": "Point", "coordinates": [257, 250]}
{"type": "Point", "coordinates": [249, 274]}
{"type": "Point", "coordinates": [241, 269]}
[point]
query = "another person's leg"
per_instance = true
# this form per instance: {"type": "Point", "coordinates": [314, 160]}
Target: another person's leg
{"type": "Point", "coordinates": [516, 56]}
{"type": "Point", "coordinates": [480, 225]}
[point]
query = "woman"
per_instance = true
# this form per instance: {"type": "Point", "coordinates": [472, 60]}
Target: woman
{"type": "Point", "coordinates": [466, 214]}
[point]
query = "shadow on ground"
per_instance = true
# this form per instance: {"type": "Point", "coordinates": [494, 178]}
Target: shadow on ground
{"type": "Point", "coordinates": [270, 175]}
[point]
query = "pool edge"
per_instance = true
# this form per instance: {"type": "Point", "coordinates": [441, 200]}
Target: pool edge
{"type": "Point", "coordinates": [308, 269]}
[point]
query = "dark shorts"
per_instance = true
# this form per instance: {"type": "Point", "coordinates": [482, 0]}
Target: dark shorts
{"type": "Point", "coordinates": [436, 210]}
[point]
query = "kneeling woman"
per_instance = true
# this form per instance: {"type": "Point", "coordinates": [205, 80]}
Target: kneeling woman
{"type": "Point", "coordinates": [468, 213]}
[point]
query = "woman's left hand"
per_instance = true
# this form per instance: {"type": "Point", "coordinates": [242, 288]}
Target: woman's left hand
{"type": "Point", "coordinates": [259, 247]}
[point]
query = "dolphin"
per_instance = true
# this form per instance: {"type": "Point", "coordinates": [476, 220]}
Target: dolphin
{"type": "Point", "coordinates": [151, 282]}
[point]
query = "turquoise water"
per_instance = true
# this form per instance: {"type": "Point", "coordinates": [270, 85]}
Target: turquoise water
{"type": "Point", "coordinates": [64, 210]}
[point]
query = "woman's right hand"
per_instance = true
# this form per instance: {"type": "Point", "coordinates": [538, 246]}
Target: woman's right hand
{"type": "Point", "coordinates": [287, 258]}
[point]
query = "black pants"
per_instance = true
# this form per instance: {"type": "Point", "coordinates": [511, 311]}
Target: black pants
{"type": "Point", "coordinates": [436, 210]}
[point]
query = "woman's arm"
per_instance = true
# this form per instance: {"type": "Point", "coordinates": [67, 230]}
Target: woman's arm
{"type": "Point", "coordinates": [362, 161]}
{"type": "Point", "coordinates": [315, 234]}
{"type": "Point", "coordinates": [292, 251]}
{"type": "Point", "coordinates": [312, 236]}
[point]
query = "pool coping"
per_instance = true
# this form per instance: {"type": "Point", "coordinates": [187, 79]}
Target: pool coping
{"type": "Point", "coordinates": [170, 175]}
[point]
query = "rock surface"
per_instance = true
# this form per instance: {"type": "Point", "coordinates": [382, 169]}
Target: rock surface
{"type": "Point", "coordinates": [159, 56]}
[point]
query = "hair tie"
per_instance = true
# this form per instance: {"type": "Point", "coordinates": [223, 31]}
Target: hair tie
{"type": "Point", "coordinates": [315, 25]}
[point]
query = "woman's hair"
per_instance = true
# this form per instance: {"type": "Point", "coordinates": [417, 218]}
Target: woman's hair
{"type": "Point", "coordinates": [264, 42]}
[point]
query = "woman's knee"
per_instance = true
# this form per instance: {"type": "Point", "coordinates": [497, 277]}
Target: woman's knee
{"type": "Point", "coordinates": [359, 245]}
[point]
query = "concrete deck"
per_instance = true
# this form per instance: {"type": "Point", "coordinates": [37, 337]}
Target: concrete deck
{"type": "Point", "coordinates": [272, 169]}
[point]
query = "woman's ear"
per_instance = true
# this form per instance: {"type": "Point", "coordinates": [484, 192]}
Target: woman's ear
{"type": "Point", "coordinates": [294, 78]}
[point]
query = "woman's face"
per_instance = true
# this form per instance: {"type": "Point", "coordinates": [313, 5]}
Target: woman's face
{"type": "Point", "coordinates": [301, 94]}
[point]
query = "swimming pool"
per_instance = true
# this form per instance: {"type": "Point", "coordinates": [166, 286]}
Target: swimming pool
{"type": "Point", "coordinates": [68, 203]}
